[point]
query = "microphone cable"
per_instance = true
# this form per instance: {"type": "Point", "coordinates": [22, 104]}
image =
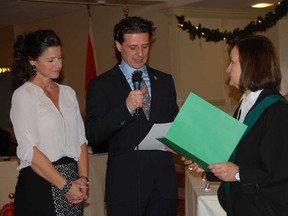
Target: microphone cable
{"type": "Point", "coordinates": [136, 80]}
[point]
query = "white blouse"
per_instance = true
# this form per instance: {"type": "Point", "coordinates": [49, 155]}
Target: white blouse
{"type": "Point", "coordinates": [37, 122]}
{"type": "Point", "coordinates": [248, 100]}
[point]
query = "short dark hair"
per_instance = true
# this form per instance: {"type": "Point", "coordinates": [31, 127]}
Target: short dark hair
{"type": "Point", "coordinates": [133, 25]}
{"type": "Point", "coordinates": [30, 47]}
{"type": "Point", "coordinates": [259, 63]}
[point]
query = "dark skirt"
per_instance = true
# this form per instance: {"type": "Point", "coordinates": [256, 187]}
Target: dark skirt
{"type": "Point", "coordinates": [34, 196]}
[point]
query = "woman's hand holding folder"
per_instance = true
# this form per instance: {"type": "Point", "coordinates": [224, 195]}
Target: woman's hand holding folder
{"type": "Point", "coordinates": [192, 165]}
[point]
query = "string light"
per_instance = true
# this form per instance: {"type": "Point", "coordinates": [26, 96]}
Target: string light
{"type": "Point", "coordinates": [261, 25]}
{"type": "Point", "coordinates": [5, 69]}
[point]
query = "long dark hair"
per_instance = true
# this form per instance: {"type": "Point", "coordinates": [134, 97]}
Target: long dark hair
{"type": "Point", "coordinates": [30, 47]}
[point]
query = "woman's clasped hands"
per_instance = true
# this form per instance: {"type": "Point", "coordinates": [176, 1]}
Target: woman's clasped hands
{"type": "Point", "coordinates": [78, 191]}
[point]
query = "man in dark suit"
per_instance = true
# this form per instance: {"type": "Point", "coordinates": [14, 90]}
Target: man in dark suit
{"type": "Point", "coordinates": [138, 182]}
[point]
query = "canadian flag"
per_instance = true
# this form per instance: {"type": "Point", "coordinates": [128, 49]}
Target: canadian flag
{"type": "Point", "coordinates": [90, 58]}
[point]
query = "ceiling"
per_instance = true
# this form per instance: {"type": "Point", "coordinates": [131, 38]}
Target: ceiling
{"type": "Point", "coordinates": [15, 12]}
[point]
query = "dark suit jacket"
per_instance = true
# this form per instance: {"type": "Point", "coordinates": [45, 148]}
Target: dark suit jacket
{"type": "Point", "coordinates": [262, 155]}
{"type": "Point", "coordinates": [109, 121]}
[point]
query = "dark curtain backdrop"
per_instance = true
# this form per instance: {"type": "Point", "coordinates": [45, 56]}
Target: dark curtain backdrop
{"type": "Point", "coordinates": [6, 90]}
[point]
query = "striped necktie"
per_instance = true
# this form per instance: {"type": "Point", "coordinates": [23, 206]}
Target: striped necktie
{"type": "Point", "coordinates": [147, 101]}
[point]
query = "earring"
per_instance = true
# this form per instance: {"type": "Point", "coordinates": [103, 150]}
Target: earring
{"type": "Point", "coordinates": [33, 70]}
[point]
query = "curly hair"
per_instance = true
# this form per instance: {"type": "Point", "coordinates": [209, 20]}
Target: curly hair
{"type": "Point", "coordinates": [133, 25]}
{"type": "Point", "coordinates": [30, 47]}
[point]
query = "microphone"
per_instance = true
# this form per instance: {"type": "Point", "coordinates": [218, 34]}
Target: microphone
{"type": "Point", "coordinates": [136, 80]}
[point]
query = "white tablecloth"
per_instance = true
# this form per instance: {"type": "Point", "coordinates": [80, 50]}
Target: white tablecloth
{"type": "Point", "coordinates": [198, 201]}
{"type": "Point", "coordinates": [94, 205]}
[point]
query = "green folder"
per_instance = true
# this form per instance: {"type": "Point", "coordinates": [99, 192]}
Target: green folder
{"type": "Point", "coordinates": [203, 133]}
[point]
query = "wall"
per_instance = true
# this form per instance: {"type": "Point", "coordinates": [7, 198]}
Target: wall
{"type": "Point", "coordinates": [197, 65]}
{"type": "Point", "coordinates": [6, 44]}
{"type": "Point", "coordinates": [73, 30]}
{"type": "Point", "coordinates": [200, 66]}
{"type": "Point", "coordinates": [283, 53]}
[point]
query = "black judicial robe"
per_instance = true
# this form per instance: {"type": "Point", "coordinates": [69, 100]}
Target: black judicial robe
{"type": "Point", "coordinates": [262, 155]}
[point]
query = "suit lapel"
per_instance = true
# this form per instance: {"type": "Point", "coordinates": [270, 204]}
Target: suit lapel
{"type": "Point", "coordinates": [154, 91]}
{"type": "Point", "coordinates": [120, 81]}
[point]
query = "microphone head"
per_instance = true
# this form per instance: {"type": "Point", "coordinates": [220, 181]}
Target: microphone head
{"type": "Point", "coordinates": [137, 79]}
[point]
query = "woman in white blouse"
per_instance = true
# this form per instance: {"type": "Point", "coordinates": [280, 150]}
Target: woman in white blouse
{"type": "Point", "coordinates": [49, 130]}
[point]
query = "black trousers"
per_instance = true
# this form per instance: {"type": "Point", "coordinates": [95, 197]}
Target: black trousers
{"type": "Point", "coordinates": [157, 205]}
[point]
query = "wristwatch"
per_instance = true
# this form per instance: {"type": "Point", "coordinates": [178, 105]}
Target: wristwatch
{"type": "Point", "coordinates": [237, 176]}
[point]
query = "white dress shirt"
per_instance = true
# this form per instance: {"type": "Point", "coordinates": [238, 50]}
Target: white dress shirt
{"type": "Point", "coordinates": [37, 122]}
{"type": "Point", "coordinates": [128, 73]}
{"type": "Point", "coordinates": [248, 100]}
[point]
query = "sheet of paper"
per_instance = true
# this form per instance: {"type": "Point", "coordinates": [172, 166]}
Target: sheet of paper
{"type": "Point", "coordinates": [150, 142]}
{"type": "Point", "coordinates": [203, 133]}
